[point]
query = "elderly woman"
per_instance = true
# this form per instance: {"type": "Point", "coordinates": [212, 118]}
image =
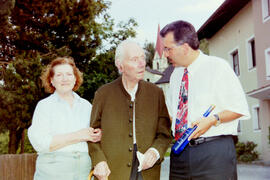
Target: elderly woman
{"type": "Point", "coordinates": [60, 128]}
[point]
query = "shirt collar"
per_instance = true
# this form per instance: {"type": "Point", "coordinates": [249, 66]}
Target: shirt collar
{"type": "Point", "coordinates": [132, 93]}
{"type": "Point", "coordinates": [57, 98]}
{"type": "Point", "coordinates": [134, 90]}
{"type": "Point", "coordinates": [195, 64]}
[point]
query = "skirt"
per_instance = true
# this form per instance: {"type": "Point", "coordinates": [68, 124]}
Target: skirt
{"type": "Point", "coordinates": [63, 166]}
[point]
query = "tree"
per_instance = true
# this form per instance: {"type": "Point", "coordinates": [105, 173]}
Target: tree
{"type": "Point", "coordinates": [149, 52]}
{"type": "Point", "coordinates": [38, 31]}
{"type": "Point", "coordinates": [204, 46]}
{"type": "Point", "coordinates": [19, 95]}
{"type": "Point", "coordinates": [6, 32]}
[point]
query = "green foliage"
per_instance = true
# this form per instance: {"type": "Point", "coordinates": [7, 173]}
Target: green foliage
{"type": "Point", "coordinates": [4, 139]}
{"type": "Point", "coordinates": [246, 151]}
{"type": "Point", "coordinates": [4, 143]}
{"type": "Point", "coordinates": [204, 46]}
{"type": "Point", "coordinates": [28, 148]}
{"type": "Point", "coordinates": [21, 91]}
{"type": "Point", "coordinates": [104, 71]}
{"type": "Point", "coordinates": [19, 95]}
{"type": "Point", "coordinates": [149, 53]}
{"type": "Point", "coordinates": [5, 33]}
{"type": "Point", "coordinates": [269, 135]}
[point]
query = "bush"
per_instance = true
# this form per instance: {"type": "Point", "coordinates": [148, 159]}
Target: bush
{"type": "Point", "coordinates": [4, 139]}
{"type": "Point", "coordinates": [246, 151]}
{"type": "Point", "coordinates": [4, 142]}
{"type": "Point", "coordinates": [28, 148]}
{"type": "Point", "coordinates": [269, 134]}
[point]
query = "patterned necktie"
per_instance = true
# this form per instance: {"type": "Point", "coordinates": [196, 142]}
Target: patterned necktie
{"type": "Point", "coordinates": [182, 110]}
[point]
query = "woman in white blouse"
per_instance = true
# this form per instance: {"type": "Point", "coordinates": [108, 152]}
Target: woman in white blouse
{"type": "Point", "coordinates": [60, 127]}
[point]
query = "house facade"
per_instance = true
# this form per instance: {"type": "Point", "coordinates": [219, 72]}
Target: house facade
{"type": "Point", "coordinates": [261, 19]}
{"type": "Point", "coordinates": [160, 73]}
{"type": "Point", "coordinates": [237, 32]}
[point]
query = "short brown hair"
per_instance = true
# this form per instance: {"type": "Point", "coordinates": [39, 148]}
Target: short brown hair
{"type": "Point", "coordinates": [48, 73]}
{"type": "Point", "coordinates": [183, 32]}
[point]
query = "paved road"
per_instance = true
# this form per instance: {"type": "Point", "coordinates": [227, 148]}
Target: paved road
{"type": "Point", "coordinates": [245, 171]}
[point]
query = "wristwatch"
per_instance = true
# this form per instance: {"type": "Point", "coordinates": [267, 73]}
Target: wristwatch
{"type": "Point", "coordinates": [218, 120]}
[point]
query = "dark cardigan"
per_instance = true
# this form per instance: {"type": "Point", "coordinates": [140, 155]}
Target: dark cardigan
{"type": "Point", "coordinates": [113, 111]}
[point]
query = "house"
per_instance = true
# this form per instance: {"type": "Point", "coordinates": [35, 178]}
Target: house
{"type": "Point", "coordinates": [238, 31]}
{"type": "Point", "coordinates": [152, 75]}
{"type": "Point", "coordinates": [161, 70]}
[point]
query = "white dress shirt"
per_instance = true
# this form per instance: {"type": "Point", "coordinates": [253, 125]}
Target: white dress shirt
{"type": "Point", "coordinates": [211, 81]}
{"type": "Point", "coordinates": [54, 116]}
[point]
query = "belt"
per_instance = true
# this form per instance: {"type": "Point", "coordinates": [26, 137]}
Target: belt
{"type": "Point", "coordinates": [200, 140]}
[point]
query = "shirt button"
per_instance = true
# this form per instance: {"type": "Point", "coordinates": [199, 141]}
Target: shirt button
{"type": "Point", "coordinates": [130, 149]}
{"type": "Point", "coordinates": [129, 164]}
{"type": "Point", "coordinates": [131, 105]}
{"type": "Point", "coordinates": [130, 134]}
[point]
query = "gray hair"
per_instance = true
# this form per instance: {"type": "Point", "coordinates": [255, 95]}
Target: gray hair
{"type": "Point", "coordinates": [119, 52]}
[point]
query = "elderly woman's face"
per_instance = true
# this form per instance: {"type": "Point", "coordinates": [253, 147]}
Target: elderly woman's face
{"type": "Point", "coordinates": [64, 78]}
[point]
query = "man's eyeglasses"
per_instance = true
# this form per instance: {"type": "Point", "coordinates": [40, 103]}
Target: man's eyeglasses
{"type": "Point", "coordinates": [167, 49]}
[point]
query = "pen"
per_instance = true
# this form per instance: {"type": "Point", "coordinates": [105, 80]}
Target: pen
{"type": "Point", "coordinates": [209, 110]}
{"type": "Point", "coordinates": [181, 143]}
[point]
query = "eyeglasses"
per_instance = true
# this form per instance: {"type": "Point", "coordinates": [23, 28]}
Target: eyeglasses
{"type": "Point", "coordinates": [166, 49]}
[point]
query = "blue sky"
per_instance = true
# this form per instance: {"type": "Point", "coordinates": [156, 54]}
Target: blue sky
{"type": "Point", "coordinates": [150, 13]}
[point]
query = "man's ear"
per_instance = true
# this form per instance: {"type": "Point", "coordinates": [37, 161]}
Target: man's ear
{"type": "Point", "coordinates": [119, 66]}
{"type": "Point", "coordinates": [186, 48]}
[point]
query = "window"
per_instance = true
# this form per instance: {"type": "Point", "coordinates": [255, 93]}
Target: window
{"type": "Point", "coordinates": [251, 53]}
{"type": "Point", "coordinates": [256, 117]}
{"type": "Point", "coordinates": [235, 59]}
{"type": "Point", "coordinates": [267, 63]}
{"type": "Point", "coordinates": [265, 10]}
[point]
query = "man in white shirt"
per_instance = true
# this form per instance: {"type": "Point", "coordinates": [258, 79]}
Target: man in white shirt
{"type": "Point", "coordinates": [197, 82]}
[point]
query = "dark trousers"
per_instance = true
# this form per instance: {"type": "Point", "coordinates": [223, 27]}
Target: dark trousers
{"type": "Point", "coordinates": [212, 160]}
{"type": "Point", "coordinates": [135, 175]}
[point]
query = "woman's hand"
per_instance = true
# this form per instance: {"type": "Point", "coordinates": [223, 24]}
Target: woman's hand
{"type": "Point", "coordinates": [90, 134]}
{"type": "Point", "coordinates": [97, 135]}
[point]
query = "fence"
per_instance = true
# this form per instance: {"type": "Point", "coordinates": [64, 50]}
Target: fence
{"type": "Point", "coordinates": [17, 166]}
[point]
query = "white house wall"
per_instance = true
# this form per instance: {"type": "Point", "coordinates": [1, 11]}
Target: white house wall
{"type": "Point", "coordinates": [234, 35]}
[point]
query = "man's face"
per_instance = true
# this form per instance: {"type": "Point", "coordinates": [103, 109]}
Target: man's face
{"type": "Point", "coordinates": [133, 64]}
{"type": "Point", "coordinates": [173, 52]}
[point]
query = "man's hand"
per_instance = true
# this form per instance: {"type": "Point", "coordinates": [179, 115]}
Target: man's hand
{"type": "Point", "coordinates": [102, 170]}
{"type": "Point", "coordinates": [150, 158]}
{"type": "Point", "coordinates": [203, 125]}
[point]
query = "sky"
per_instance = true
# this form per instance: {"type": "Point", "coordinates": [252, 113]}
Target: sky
{"type": "Point", "coordinates": [149, 13]}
